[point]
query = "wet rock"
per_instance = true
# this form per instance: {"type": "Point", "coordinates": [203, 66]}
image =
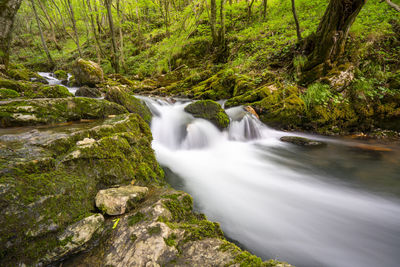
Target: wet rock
{"type": "Point", "coordinates": [209, 110]}
{"type": "Point", "coordinates": [87, 72]}
{"type": "Point", "coordinates": [74, 238]}
{"type": "Point", "coordinates": [165, 231]}
{"type": "Point", "coordinates": [87, 91]}
{"type": "Point", "coordinates": [301, 141]}
{"type": "Point", "coordinates": [45, 111]}
{"type": "Point", "coordinates": [120, 96]}
{"type": "Point", "coordinates": [61, 75]}
{"type": "Point", "coordinates": [116, 201]}
{"type": "Point", "coordinates": [49, 178]}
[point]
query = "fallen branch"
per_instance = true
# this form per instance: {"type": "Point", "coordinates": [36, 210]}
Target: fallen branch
{"type": "Point", "coordinates": [392, 5]}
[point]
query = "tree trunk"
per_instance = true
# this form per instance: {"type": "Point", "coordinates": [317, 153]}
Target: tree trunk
{"type": "Point", "coordinates": [71, 10]}
{"type": "Point", "coordinates": [249, 7]}
{"type": "Point", "coordinates": [213, 21]}
{"type": "Point", "coordinates": [115, 58]}
{"type": "Point", "coordinates": [265, 5]}
{"type": "Point", "coordinates": [51, 24]}
{"type": "Point", "coordinates": [296, 20]}
{"type": "Point", "coordinates": [46, 50]}
{"type": "Point", "coordinates": [8, 9]}
{"type": "Point", "coordinates": [328, 43]}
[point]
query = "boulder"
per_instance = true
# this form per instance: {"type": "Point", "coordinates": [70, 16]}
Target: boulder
{"type": "Point", "coordinates": [121, 96]}
{"type": "Point", "coordinates": [49, 179]}
{"type": "Point", "coordinates": [209, 110]}
{"type": "Point", "coordinates": [8, 93]}
{"type": "Point", "coordinates": [87, 72]}
{"type": "Point", "coordinates": [87, 91]}
{"type": "Point", "coordinates": [61, 75]}
{"type": "Point", "coordinates": [116, 201]}
{"type": "Point", "coordinates": [55, 110]}
{"type": "Point", "coordinates": [301, 141]}
{"type": "Point", "coordinates": [339, 78]}
{"type": "Point", "coordinates": [75, 237]}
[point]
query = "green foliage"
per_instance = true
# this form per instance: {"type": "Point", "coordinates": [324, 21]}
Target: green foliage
{"type": "Point", "coordinates": [134, 219]}
{"type": "Point", "coordinates": [316, 94]}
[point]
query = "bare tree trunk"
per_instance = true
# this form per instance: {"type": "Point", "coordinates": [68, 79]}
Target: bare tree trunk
{"type": "Point", "coordinates": [249, 7]}
{"type": "Point", "coordinates": [71, 10]}
{"type": "Point", "coordinates": [296, 20]}
{"type": "Point", "coordinates": [265, 5]}
{"type": "Point", "coordinates": [8, 9]}
{"type": "Point", "coordinates": [46, 50]}
{"type": "Point", "coordinates": [115, 58]}
{"type": "Point", "coordinates": [213, 21]}
{"type": "Point", "coordinates": [121, 16]}
{"type": "Point", "coordinates": [328, 43]}
{"type": "Point", "coordinates": [99, 51]}
{"type": "Point", "coordinates": [51, 25]}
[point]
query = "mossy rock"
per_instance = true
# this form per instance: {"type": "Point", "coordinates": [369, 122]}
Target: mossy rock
{"type": "Point", "coordinates": [394, 80]}
{"type": "Point", "coordinates": [250, 96]}
{"type": "Point", "coordinates": [209, 110]}
{"type": "Point", "coordinates": [8, 93]}
{"type": "Point", "coordinates": [57, 110]}
{"type": "Point", "coordinates": [121, 96]}
{"type": "Point", "coordinates": [14, 85]}
{"type": "Point", "coordinates": [49, 180]}
{"type": "Point", "coordinates": [61, 75]}
{"type": "Point", "coordinates": [52, 91]}
{"type": "Point", "coordinates": [87, 91]}
{"type": "Point", "coordinates": [87, 72]}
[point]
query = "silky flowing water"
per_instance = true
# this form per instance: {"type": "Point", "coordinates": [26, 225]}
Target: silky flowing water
{"type": "Point", "coordinates": [336, 205]}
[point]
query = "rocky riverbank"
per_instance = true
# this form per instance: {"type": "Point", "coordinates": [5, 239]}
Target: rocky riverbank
{"type": "Point", "coordinates": [79, 183]}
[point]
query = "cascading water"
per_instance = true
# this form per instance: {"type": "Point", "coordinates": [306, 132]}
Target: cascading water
{"type": "Point", "coordinates": [54, 81]}
{"type": "Point", "coordinates": [280, 201]}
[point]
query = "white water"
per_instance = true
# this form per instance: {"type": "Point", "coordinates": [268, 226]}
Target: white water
{"type": "Point", "coordinates": [54, 81]}
{"type": "Point", "coordinates": [242, 179]}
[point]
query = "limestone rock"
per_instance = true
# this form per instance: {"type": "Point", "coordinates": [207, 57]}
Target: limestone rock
{"type": "Point", "coordinates": [46, 110]}
{"type": "Point", "coordinates": [116, 201]}
{"type": "Point", "coordinates": [87, 72]}
{"type": "Point", "coordinates": [87, 91]}
{"type": "Point", "coordinates": [75, 236]}
{"type": "Point", "coordinates": [340, 77]}
{"type": "Point", "coordinates": [209, 110]}
{"type": "Point", "coordinates": [132, 104]}
{"type": "Point", "coordinates": [301, 141]}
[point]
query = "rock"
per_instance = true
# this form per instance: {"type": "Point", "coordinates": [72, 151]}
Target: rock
{"type": "Point", "coordinates": [209, 110]}
{"type": "Point", "coordinates": [51, 91]}
{"type": "Point", "coordinates": [39, 79]}
{"type": "Point", "coordinates": [394, 80]}
{"type": "Point", "coordinates": [47, 110]}
{"type": "Point", "coordinates": [116, 201]}
{"type": "Point", "coordinates": [49, 179]}
{"type": "Point", "coordinates": [301, 141]}
{"type": "Point", "coordinates": [165, 231]}
{"type": "Point", "coordinates": [61, 75]}
{"type": "Point", "coordinates": [251, 110]}
{"type": "Point", "coordinates": [132, 104]}
{"type": "Point", "coordinates": [75, 237]}
{"type": "Point", "coordinates": [87, 72]}
{"type": "Point", "coordinates": [87, 91]}
{"type": "Point", "coordinates": [340, 77]}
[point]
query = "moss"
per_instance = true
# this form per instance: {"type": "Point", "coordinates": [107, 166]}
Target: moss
{"type": "Point", "coordinates": [54, 91]}
{"type": "Point", "coordinates": [155, 230]}
{"type": "Point", "coordinates": [8, 93]}
{"type": "Point", "coordinates": [61, 75]}
{"type": "Point", "coordinates": [209, 110]}
{"type": "Point", "coordinates": [171, 240]}
{"type": "Point", "coordinates": [19, 74]}
{"type": "Point", "coordinates": [14, 85]}
{"type": "Point", "coordinates": [134, 219]}
{"type": "Point", "coordinates": [249, 97]}
{"type": "Point", "coordinates": [131, 103]}
{"type": "Point", "coordinates": [133, 237]}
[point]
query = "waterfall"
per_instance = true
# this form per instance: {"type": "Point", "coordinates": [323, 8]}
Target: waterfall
{"type": "Point", "coordinates": [274, 198]}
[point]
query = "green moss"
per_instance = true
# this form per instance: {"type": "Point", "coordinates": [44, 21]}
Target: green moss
{"type": "Point", "coordinates": [134, 219]}
{"type": "Point", "coordinates": [209, 110]}
{"type": "Point", "coordinates": [52, 91]}
{"type": "Point", "coordinates": [171, 240]}
{"type": "Point", "coordinates": [61, 75]}
{"type": "Point", "coordinates": [133, 237]}
{"type": "Point", "coordinates": [131, 103]}
{"type": "Point", "coordinates": [155, 230]}
{"type": "Point", "coordinates": [8, 93]}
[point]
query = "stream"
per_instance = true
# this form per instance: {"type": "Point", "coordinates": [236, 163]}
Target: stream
{"type": "Point", "coordinates": [332, 206]}
{"type": "Point", "coordinates": [337, 205]}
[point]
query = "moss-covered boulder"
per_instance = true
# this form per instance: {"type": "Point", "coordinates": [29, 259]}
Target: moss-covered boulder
{"type": "Point", "coordinates": [121, 96]}
{"type": "Point", "coordinates": [87, 91]}
{"type": "Point", "coordinates": [51, 91]}
{"type": "Point", "coordinates": [57, 110]}
{"type": "Point", "coordinates": [61, 75]}
{"type": "Point", "coordinates": [8, 93]}
{"type": "Point", "coordinates": [209, 110]}
{"type": "Point", "coordinates": [87, 72]}
{"type": "Point", "coordinates": [49, 179]}
{"type": "Point", "coordinates": [301, 141]}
